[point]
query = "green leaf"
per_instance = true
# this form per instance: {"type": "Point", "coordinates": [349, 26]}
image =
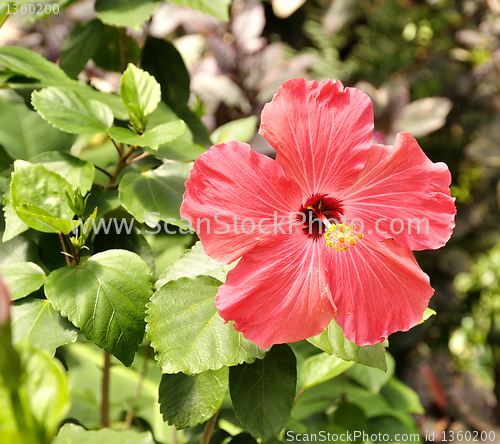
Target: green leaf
{"type": "Point", "coordinates": [183, 148]}
{"type": "Point", "coordinates": [401, 397]}
{"type": "Point", "coordinates": [30, 64]}
{"type": "Point", "coordinates": [80, 46]}
{"type": "Point", "coordinates": [186, 401]}
{"type": "Point", "coordinates": [13, 225]}
{"type": "Point", "coordinates": [217, 8]}
{"type": "Point", "coordinates": [188, 334]}
{"type": "Point", "coordinates": [333, 342]}
{"type": "Point", "coordinates": [19, 249]}
{"type": "Point", "coordinates": [113, 101]}
{"type": "Point", "coordinates": [73, 434]}
{"type": "Point", "coordinates": [320, 368]}
{"type": "Point", "coordinates": [427, 314]}
{"type": "Point", "coordinates": [37, 321]}
{"type": "Point", "coordinates": [24, 133]}
{"type": "Point", "coordinates": [152, 138]}
{"type": "Point", "coordinates": [349, 416]}
{"type": "Point", "coordinates": [70, 112]}
{"type": "Point", "coordinates": [194, 262]}
{"type": "Point", "coordinates": [22, 278]}
{"type": "Point", "coordinates": [162, 60]}
{"type": "Point", "coordinates": [41, 220]}
{"type": "Point", "coordinates": [115, 50]}
{"type": "Point", "coordinates": [125, 13]}
{"type": "Point", "coordinates": [241, 130]}
{"type": "Point", "coordinates": [263, 393]}
{"type": "Point", "coordinates": [79, 173]}
{"type": "Point", "coordinates": [158, 191]}
{"type": "Point", "coordinates": [39, 197]}
{"type": "Point", "coordinates": [141, 94]}
{"type": "Point", "coordinates": [105, 298]}
{"type": "Point", "coordinates": [372, 379]}
{"type": "Point", "coordinates": [45, 387]}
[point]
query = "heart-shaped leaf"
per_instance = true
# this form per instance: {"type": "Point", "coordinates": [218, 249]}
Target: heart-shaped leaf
{"type": "Point", "coordinates": [106, 299]}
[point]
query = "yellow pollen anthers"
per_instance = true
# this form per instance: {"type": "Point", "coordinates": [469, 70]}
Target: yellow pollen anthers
{"type": "Point", "coordinates": [341, 237]}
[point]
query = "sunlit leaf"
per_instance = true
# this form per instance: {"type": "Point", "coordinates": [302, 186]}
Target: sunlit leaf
{"type": "Point", "coordinates": [37, 321]}
{"type": "Point", "coordinates": [22, 278]}
{"type": "Point", "coordinates": [152, 138]}
{"type": "Point", "coordinates": [125, 13]}
{"type": "Point", "coordinates": [106, 299]}
{"type": "Point", "coordinates": [71, 112]}
{"type": "Point", "coordinates": [188, 334]}
{"type": "Point", "coordinates": [333, 341]}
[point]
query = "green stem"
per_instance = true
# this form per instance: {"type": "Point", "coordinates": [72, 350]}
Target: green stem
{"type": "Point", "coordinates": [105, 390]}
{"type": "Point", "coordinates": [209, 429]}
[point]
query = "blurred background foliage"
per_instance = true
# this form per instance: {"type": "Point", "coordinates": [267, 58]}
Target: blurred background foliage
{"type": "Point", "coordinates": [432, 68]}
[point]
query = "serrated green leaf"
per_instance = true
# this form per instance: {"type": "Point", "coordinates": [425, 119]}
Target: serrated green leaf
{"type": "Point", "coordinates": [186, 401]}
{"type": "Point", "coordinates": [73, 434]}
{"type": "Point", "coordinates": [333, 341]}
{"type": "Point", "coordinates": [80, 46]}
{"type": "Point", "coordinates": [37, 321]}
{"type": "Point", "coordinates": [79, 173]}
{"type": "Point", "coordinates": [263, 393]}
{"type": "Point", "coordinates": [38, 196]}
{"type": "Point", "coordinates": [194, 262]}
{"type": "Point", "coordinates": [188, 334]}
{"type": "Point", "coordinates": [141, 94]}
{"type": "Point", "coordinates": [217, 8]}
{"type": "Point", "coordinates": [151, 138]}
{"type": "Point", "coordinates": [22, 278]}
{"type": "Point", "coordinates": [158, 191]}
{"type": "Point", "coordinates": [241, 130]}
{"type": "Point", "coordinates": [372, 378]}
{"type": "Point", "coordinates": [30, 64]}
{"type": "Point", "coordinates": [24, 133]}
{"type": "Point", "coordinates": [320, 368]}
{"type": "Point", "coordinates": [125, 13]}
{"type": "Point", "coordinates": [105, 298]}
{"type": "Point", "coordinates": [67, 110]}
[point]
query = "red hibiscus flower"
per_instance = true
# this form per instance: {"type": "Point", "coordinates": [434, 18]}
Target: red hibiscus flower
{"type": "Point", "coordinates": [294, 221]}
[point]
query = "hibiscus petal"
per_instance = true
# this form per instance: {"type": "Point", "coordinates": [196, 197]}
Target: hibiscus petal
{"type": "Point", "coordinates": [231, 181]}
{"type": "Point", "coordinates": [402, 183]}
{"type": "Point", "coordinates": [378, 289]}
{"type": "Point", "coordinates": [278, 291]}
{"type": "Point", "coordinates": [320, 131]}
